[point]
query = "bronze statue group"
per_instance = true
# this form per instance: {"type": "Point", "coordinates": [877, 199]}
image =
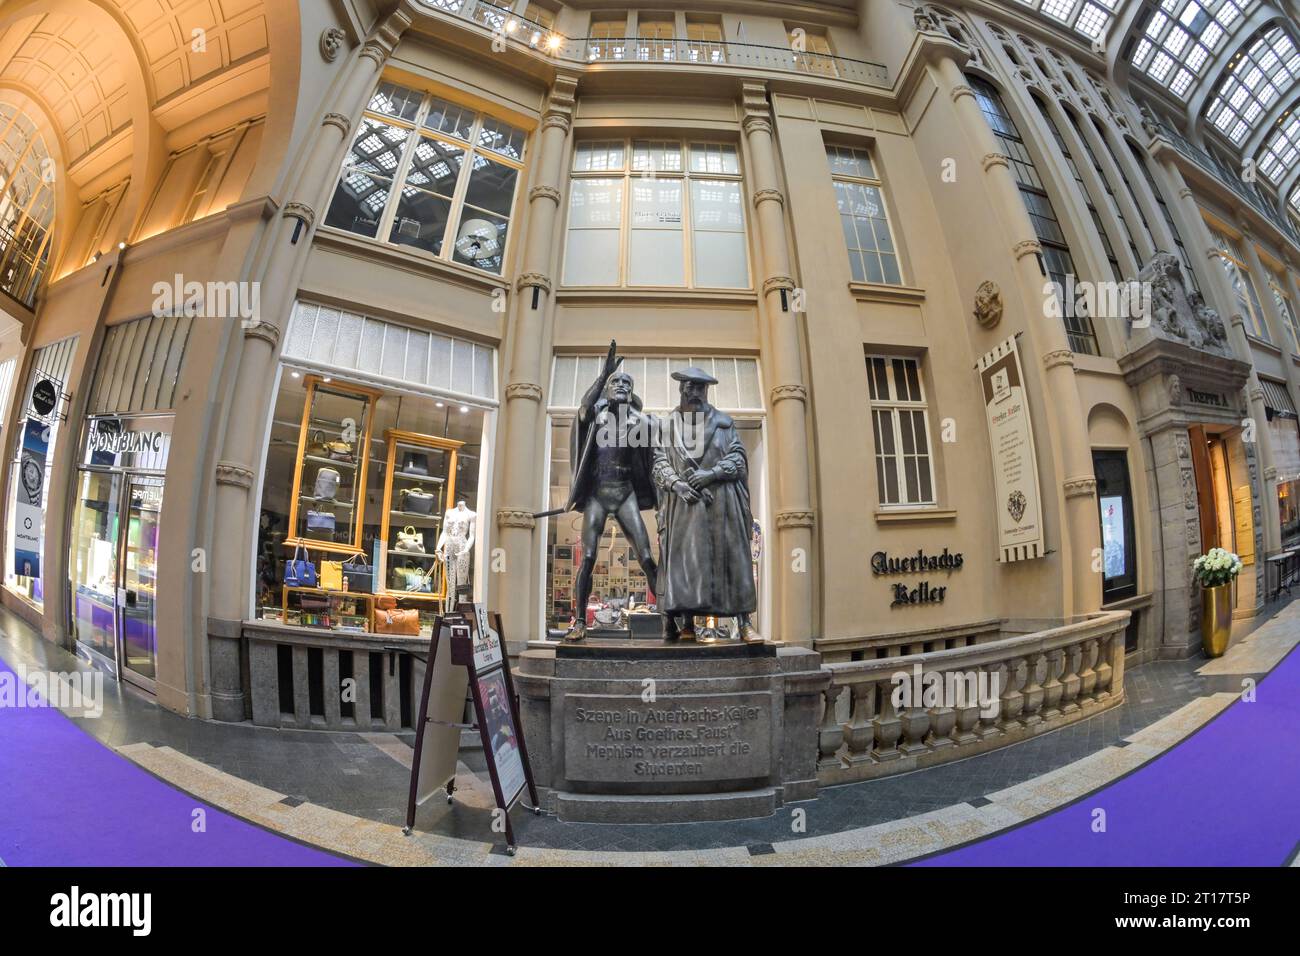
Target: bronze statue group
{"type": "Point", "coordinates": [691, 467]}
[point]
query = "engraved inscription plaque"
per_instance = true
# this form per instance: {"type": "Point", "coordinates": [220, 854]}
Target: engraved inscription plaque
{"type": "Point", "coordinates": [669, 742]}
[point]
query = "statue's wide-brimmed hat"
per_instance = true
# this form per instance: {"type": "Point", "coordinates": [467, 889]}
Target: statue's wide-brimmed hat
{"type": "Point", "coordinates": [694, 374]}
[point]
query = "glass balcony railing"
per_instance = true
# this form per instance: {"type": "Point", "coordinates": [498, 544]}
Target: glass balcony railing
{"type": "Point", "coordinates": [671, 50]}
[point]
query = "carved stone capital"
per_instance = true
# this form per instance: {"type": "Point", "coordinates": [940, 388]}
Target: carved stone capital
{"type": "Point", "coordinates": [300, 211]}
{"type": "Point", "coordinates": [1081, 487]}
{"type": "Point", "coordinates": [1027, 247]}
{"type": "Point", "coordinates": [230, 473]}
{"type": "Point", "coordinates": [557, 120]}
{"type": "Point", "coordinates": [515, 518]}
{"type": "Point", "coordinates": [957, 92]}
{"type": "Point", "coordinates": [768, 195]}
{"type": "Point", "coordinates": [1185, 193]}
{"type": "Point", "coordinates": [265, 331]}
{"type": "Point", "coordinates": [339, 120]}
{"type": "Point", "coordinates": [756, 124]}
{"type": "Point", "coordinates": [781, 393]}
{"type": "Point", "coordinates": [995, 159]}
{"type": "Point", "coordinates": [1257, 394]}
{"type": "Point", "coordinates": [533, 280]}
{"type": "Point", "coordinates": [795, 519]}
{"type": "Point", "coordinates": [331, 42]}
{"type": "Point", "coordinates": [1270, 473]}
{"type": "Point", "coordinates": [1058, 357]}
{"type": "Point", "coordinates": [1238, 320]}
{"type": "Point", "coordinates": [375, 51]}
{"type": "Point", "coordinates": [778, 282]}
{"type": "Point", "coordinates": [544, 192]}
{"type": "Point", "coordinates": [525, 390]}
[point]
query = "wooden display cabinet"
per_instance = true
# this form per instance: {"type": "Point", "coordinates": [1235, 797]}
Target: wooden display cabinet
{"type": "Point", "coordinates": [440, 455]}
{"type": "Point", "coordinates": [325, 415]}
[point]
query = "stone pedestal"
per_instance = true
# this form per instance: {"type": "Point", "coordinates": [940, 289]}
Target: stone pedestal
{"type": "Point", "coordinates": [646, 732]}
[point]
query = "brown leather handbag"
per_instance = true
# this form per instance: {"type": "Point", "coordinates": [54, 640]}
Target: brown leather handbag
{"type": "Point", "coordinates": [396, 621]}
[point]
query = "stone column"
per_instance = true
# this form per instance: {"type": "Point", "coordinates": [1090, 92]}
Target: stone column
{"type": "Point", "coordinates": [530, 351]}
{"type": "Point", "coordinates": [1045, 334]}
{"type": "Point", "coordinates": [1115, 175]}
{"type": "Point", "coordinates": [788, 397]}
{"type": "Point", "coordinates": [245, 416]}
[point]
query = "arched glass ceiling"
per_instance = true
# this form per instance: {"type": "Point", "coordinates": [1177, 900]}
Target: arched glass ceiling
{"type": "Point", "coordinates": [1258, 76]}
{"type": "Point", "coordinates": [1180, 39]}
{"type": "Point", "coordinates": [26, 205]}
{"type": "Point", "coordinates": [1091, 18]}
{"type": "Point", "coordinates": [1281, 150]}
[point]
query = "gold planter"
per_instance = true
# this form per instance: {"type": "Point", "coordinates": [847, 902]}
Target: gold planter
{"type": "Point", "coordinates": [1216, 619]}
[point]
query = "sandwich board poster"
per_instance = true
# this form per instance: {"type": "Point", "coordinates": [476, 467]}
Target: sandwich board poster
{"type": "Point", "coordinates": [1017, 504]}
{"type": "Point", "coordinates": [494, 701]}
{"type": "Point", "coordinates": [442, 707]}
{"type": "Point", "coordinates": [28, 492]}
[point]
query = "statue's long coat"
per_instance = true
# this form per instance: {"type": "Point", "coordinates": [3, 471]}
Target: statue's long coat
{"type": "Point", "coordinates": [705, 562]}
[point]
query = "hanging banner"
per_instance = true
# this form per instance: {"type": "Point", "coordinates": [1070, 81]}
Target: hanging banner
{"type": "Point", "coordinates": [1015, 464]}
{"type": "Point", "coordinates": [28, 492]}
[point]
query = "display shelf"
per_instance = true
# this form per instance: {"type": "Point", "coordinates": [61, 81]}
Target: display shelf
{"type": "Point", "coordinates": [367, 597]}
{"type": "Point", "coordinates": [330, 461]}
{"type": "Point", "coordinates": [442, 455]}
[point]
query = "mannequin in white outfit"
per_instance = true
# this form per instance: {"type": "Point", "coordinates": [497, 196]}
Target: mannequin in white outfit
{"type": "Point", "coordinates": [456, 545]}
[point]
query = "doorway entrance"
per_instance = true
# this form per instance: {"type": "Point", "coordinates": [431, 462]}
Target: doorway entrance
{"type": "Point", "coordinates": [113, 562]}
{"type": "Point", "coordinates": [1225, 506]}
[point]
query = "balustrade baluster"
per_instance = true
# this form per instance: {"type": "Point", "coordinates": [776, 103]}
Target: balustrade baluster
{"type": "Point", "coordinates": [830, 737]}
{"type": "Point", "coordinates": [888, 727]}
{"type": "Point", "coordinates": [990, 710]}
{"type": "Point", "coordinates": [1070, 680]}
{"type": "Point", "coordinates": [859, 732]}
{"type": "Point", "coordinates": [1052, 687]}
{"type": "Point", "coordinates": [1088, 676]}
{"type": "Point", "coordinates": [1013, 701]}
{"type": "Point", "coordinates": [1033, 691]}
{"type": "Point", "coordinates": [1104, 671]}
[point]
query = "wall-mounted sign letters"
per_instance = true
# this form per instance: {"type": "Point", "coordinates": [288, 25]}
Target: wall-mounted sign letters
{"type": "Point", "coordinates": [882, 563]}
{"type": "Point", "coordinates": [1015, 465]}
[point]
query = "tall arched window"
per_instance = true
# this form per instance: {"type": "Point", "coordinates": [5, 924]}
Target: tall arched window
{"type": "Point", "coordinates": [26, 205]}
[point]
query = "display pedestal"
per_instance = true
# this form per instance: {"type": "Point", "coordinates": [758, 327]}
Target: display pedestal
{"type": "Point", "coordinates": [647, 732]}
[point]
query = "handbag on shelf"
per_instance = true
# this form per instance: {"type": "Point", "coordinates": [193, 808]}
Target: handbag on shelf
{"type": "Point", "coordinates": [314, 603]}
{"type": "Point", "coordinates": [339, 450]}
{"type": "Point", "coordinates": [299, 572]}
{"type": "Point", "coordinates": [396, 621]}
{"type": "Point", "coordinates": [415, 463]}
{"type": "Point", "coordinates": [416, 501]}
{"type": "Point", "coordinates": [331, 575]}
{"type": "Point", "coordinates": [358, 575]}
{"type": "Point", "coordinates": [316, 446]}
{"type": "Point", "coordinates": [385, 602]}
{"type": "Point", "coordinates": [327, 483]}
{"type": "Point", "coordinates": [410, 540]}
{"type": "Point", "coordinates": [320, 521]}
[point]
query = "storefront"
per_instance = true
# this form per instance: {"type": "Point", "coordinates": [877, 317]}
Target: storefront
{"type": "Point", "coordinates": [44, 398]}
{"type": "Point", "coordinates": [1284, 433]}
{"type": "Point", "coordinates": [376, 476]}
{"type": "Point", "coordinates": [117, 501]}
{"type": "Point", "coordinates": [619, 586]}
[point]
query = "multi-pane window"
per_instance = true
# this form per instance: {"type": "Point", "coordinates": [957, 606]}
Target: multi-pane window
{"type": "Point", "coordinates": [812, 51]}
{"type": "Point", "coordinates": [607, 38]}
{"type": "Point", "coordinates": [704, 42]}
{"type": "Point", "coordinates": [1111, 201]}
{"type": "Point", "coordinates": [1057, 260]}
{"type": "Point", "coordinates": [1089, 17]}
{"type": "Point", "coordinates": [431, 174]}
{"type": "Point", "coordinates": [1083, 189]}
{"type": "Point", "coordinates": [904, 468]}
{"type": "Point", "coordinates": [26, 205]}
{"type": "Point", "coordinates": [863, 218]}
{"type": "Point", "coordinates": [1257, 76]}
{"type": "Point", "coordinates": [1132, 193]}
{"type": "Point", "coordinates": [1240, 279]}
{"type": "Point", "coordinates": [655, 38]}
{"type": "Point", "coordinates": [1285, 309]}
{"type": "Point", "coordinates": [656, 213]}
{"type": "Point", "coordinates": [1140, 159]}
{"type": "Point", "coordinates": [1281, 150]}
{"type": "Point", "coordinates": [1181, 37]}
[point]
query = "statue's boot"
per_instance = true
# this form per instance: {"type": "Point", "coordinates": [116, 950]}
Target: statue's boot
{"type": "Point", "coordinates": [749, 634]}
{"type": "Point", "coordinates": [577, 632]}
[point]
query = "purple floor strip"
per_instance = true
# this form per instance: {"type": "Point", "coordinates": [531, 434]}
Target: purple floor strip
{"type": "Point", "coordinates": [1229, 795]}
{"type": "Point", "coordinates": [67, 800]}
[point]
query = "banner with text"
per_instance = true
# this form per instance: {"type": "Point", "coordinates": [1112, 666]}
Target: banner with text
{"type": "Point", "coordinates": [1015, 465]}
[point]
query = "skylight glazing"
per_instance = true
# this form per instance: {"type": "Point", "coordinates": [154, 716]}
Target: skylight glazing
{"type": "Point", "coordinates": [1180, 39]}
{"type": "Point", "coordinates": [1258, 76]}
{"type": "Point", "coordinates": [1281, 150]}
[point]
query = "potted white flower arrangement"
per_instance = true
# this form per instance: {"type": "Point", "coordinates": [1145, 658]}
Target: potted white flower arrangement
{"type": "Point", "coordinates": [1215, 571]}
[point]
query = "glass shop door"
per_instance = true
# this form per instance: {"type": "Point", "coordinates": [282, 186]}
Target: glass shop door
{"type": "Point", "coordinates": [137, 652]}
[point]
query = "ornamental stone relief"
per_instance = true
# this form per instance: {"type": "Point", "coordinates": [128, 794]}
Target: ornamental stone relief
{"type": "Point", "coordinates": [988, 304]}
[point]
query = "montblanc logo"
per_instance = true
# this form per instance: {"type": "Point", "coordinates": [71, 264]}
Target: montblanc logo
{"type": "Point", "coordinates": [132, 910]}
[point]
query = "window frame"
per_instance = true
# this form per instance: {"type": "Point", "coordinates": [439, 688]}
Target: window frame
{"type": "Point", "coordinates": [878, 184]}
{"type": "Point", "coordinates": [1230, 256]}
{"type": "Point", "coordinates": [470, 147]}
{"type": "Point", "coordinates": [629, 174]}
{"type": "Point", "coordinates": [893, 405]}
{"type": "Point", "coordinates": [1286, 308]}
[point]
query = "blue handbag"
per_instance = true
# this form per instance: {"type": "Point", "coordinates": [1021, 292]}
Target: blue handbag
{"type": "Point", "coordinates": [299, 572]}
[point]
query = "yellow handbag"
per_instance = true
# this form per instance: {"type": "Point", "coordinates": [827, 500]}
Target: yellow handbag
{"type": "Point", "coordinates": [331, 575]}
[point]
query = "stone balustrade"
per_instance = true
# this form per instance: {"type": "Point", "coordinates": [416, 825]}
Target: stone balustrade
{"type": "Point", "coordinates": [982, 696]}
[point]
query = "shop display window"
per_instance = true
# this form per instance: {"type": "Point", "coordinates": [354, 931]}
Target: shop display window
{"type": "Point", "coordinates": [435, 446]}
